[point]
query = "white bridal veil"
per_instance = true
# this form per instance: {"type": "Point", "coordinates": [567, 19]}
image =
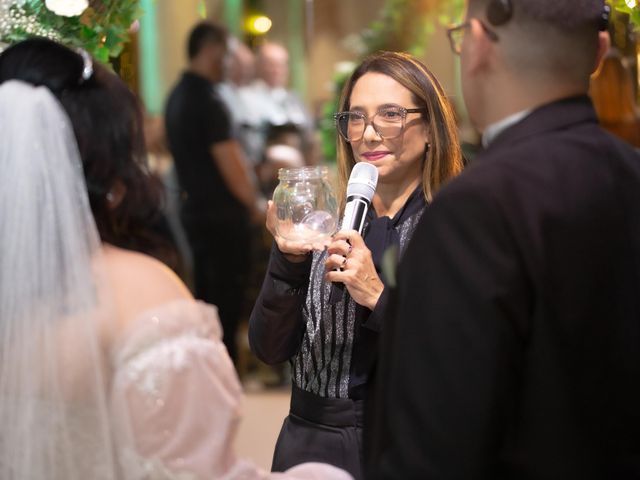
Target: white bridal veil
{"type": "Point", "coordinates": [54, 420]}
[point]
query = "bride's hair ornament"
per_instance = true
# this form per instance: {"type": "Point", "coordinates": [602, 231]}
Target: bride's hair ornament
{"type": "Point", "coordinates": [87, 69]}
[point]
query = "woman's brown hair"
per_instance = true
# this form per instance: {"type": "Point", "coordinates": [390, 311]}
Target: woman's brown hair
{"type": "Point", "coordinates": [443, 158]}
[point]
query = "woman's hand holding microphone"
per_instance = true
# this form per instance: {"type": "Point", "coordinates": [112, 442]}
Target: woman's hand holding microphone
{"type": "Point", "coordinates": [350, 262]}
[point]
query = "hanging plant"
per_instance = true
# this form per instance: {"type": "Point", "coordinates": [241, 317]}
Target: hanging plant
{"type": "Point", "coordinates": [630, 7]}
{"type": "Point", "coordinates": [404, 25]}
{"type": "Point", "coordinates": [101, 27]}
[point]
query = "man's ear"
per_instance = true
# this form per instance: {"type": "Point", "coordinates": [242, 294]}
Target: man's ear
{"type": "Point", "coordinates": [479, 47]}
{"type": "Point", "coordinates": [604, 43]}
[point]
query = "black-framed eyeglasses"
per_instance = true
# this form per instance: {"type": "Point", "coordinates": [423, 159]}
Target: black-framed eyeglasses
{"type": "Point", "coordinates": [388, 122]}
{"type": "Point", "coordinates": [456, 34]}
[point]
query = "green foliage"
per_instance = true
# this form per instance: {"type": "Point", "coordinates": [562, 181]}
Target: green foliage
{"type": "Point", "coordinates": [327, 126]}
{"type": "Point", "coordinates": [404, 25]}
{"type": "Point", "coordinates": [102, 29]}
{"type": "Point", "coordinates": [633, 12]}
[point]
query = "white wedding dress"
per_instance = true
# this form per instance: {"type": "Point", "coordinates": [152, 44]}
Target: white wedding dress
{"type": "Point", "coordinates": [176, 400]}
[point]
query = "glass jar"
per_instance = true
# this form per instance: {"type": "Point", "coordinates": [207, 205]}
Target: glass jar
{"type": "Point", "coordinates": [306, 206]}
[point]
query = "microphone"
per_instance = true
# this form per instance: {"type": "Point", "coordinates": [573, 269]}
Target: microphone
{"type": "Point", "coordinates": [360, 189]}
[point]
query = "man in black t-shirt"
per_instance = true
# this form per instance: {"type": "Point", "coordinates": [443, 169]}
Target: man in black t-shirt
{"type": "Point", "coordinates": [220, 200]}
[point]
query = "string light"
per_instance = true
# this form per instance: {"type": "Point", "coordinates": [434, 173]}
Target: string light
{"type": "Point", "coordinates": [258, 24]}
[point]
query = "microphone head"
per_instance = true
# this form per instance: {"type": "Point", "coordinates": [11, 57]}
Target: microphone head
{"type": "Point", "coordinates": [363, 180]}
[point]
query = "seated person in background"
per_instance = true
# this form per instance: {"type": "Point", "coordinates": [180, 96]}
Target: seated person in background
{"type": "Point", "coordinates": [283, 149]}
{"type": "Point", "coordinates": [235, 92]}
{"type": "Point", "coordinates": [274, 103]}
{"type": "Point", "coordinates": [110, 369]}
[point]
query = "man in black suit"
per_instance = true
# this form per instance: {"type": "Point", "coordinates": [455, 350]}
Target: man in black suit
{"type": "Point", "coordinates": [512, 347]}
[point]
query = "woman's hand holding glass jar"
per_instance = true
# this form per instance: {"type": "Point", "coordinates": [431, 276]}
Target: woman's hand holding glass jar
{"type": "Point", "coordinates": [294, 250]}
{"type": "Point", "coordinates": [303, 214]}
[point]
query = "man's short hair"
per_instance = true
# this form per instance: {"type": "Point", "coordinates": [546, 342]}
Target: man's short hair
{"type": "Point", "coordinates": [567, 14]}
{"type": "Point", "coordinates": [557, 38]}
{"type": "Point", "coordinates": [205, 33]}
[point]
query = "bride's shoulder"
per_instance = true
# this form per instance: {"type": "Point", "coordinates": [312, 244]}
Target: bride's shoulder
{"type": "Point", "coordinates": [139, 283]}
{"type": "Point", "coordinates": [127, 267]}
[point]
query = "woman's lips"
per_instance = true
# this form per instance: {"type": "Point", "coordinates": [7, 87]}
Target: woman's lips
{"type": "Point", "coordinates": [371, 156]}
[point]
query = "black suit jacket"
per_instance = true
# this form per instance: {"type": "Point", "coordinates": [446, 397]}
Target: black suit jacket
{"type": "Point", "coordinates": [512, 343]}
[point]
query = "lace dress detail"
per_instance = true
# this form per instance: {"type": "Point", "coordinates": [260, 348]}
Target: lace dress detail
{"type": "Point", "coordinates": [176, 400]}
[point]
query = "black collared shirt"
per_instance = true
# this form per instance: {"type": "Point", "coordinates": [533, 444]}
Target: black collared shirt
{"type": "Point", "coordinates": [196, 119]}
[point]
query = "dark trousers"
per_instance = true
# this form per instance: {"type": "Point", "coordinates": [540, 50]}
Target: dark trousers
{"type": "Point", "coordinates": [221, 260]}
{"type": "Point", "coordinates": [321, 429]}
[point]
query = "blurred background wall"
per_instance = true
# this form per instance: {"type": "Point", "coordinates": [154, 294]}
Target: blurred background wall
{"type": "Point", "coordinates": [322, 36]}
{"type": "Point", "coordinates": [319, 34]}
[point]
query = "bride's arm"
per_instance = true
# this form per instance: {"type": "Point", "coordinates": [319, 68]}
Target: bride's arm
{"type": "Point", "coordinates": [176, 407]}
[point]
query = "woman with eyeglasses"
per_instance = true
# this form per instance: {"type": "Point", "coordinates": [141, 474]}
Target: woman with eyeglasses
{"type": "Point", "coordinates": [395, 116]}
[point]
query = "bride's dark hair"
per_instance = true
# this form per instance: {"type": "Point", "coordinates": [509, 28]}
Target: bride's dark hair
{"type": "Point", "coordinates": [107, 123]}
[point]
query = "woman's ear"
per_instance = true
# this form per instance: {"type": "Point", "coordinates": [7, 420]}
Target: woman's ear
{"type": "Point", "coordinates": [116, 194]}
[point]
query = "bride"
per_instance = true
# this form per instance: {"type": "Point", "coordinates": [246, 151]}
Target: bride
{"type": "Point", "coordinates": [108, 368]}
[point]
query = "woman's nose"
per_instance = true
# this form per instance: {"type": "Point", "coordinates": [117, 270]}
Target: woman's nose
{"type": "Point", "coordinates": [370, 133]}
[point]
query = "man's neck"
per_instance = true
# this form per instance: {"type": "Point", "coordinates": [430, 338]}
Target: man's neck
{"type": "Point", "coordinates": [517, 96]}
{"type": "Point", "coordinates": [204, 71]}
{"type": "Point", "coordinates": [495, 129]}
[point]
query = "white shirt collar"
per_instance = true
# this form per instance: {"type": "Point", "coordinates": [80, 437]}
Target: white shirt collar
{"type": "Point", "coordinates": [495, 129]}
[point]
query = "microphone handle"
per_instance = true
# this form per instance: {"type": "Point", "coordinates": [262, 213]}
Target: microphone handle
{"type": "Point", "coordinates": [355, 212]}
